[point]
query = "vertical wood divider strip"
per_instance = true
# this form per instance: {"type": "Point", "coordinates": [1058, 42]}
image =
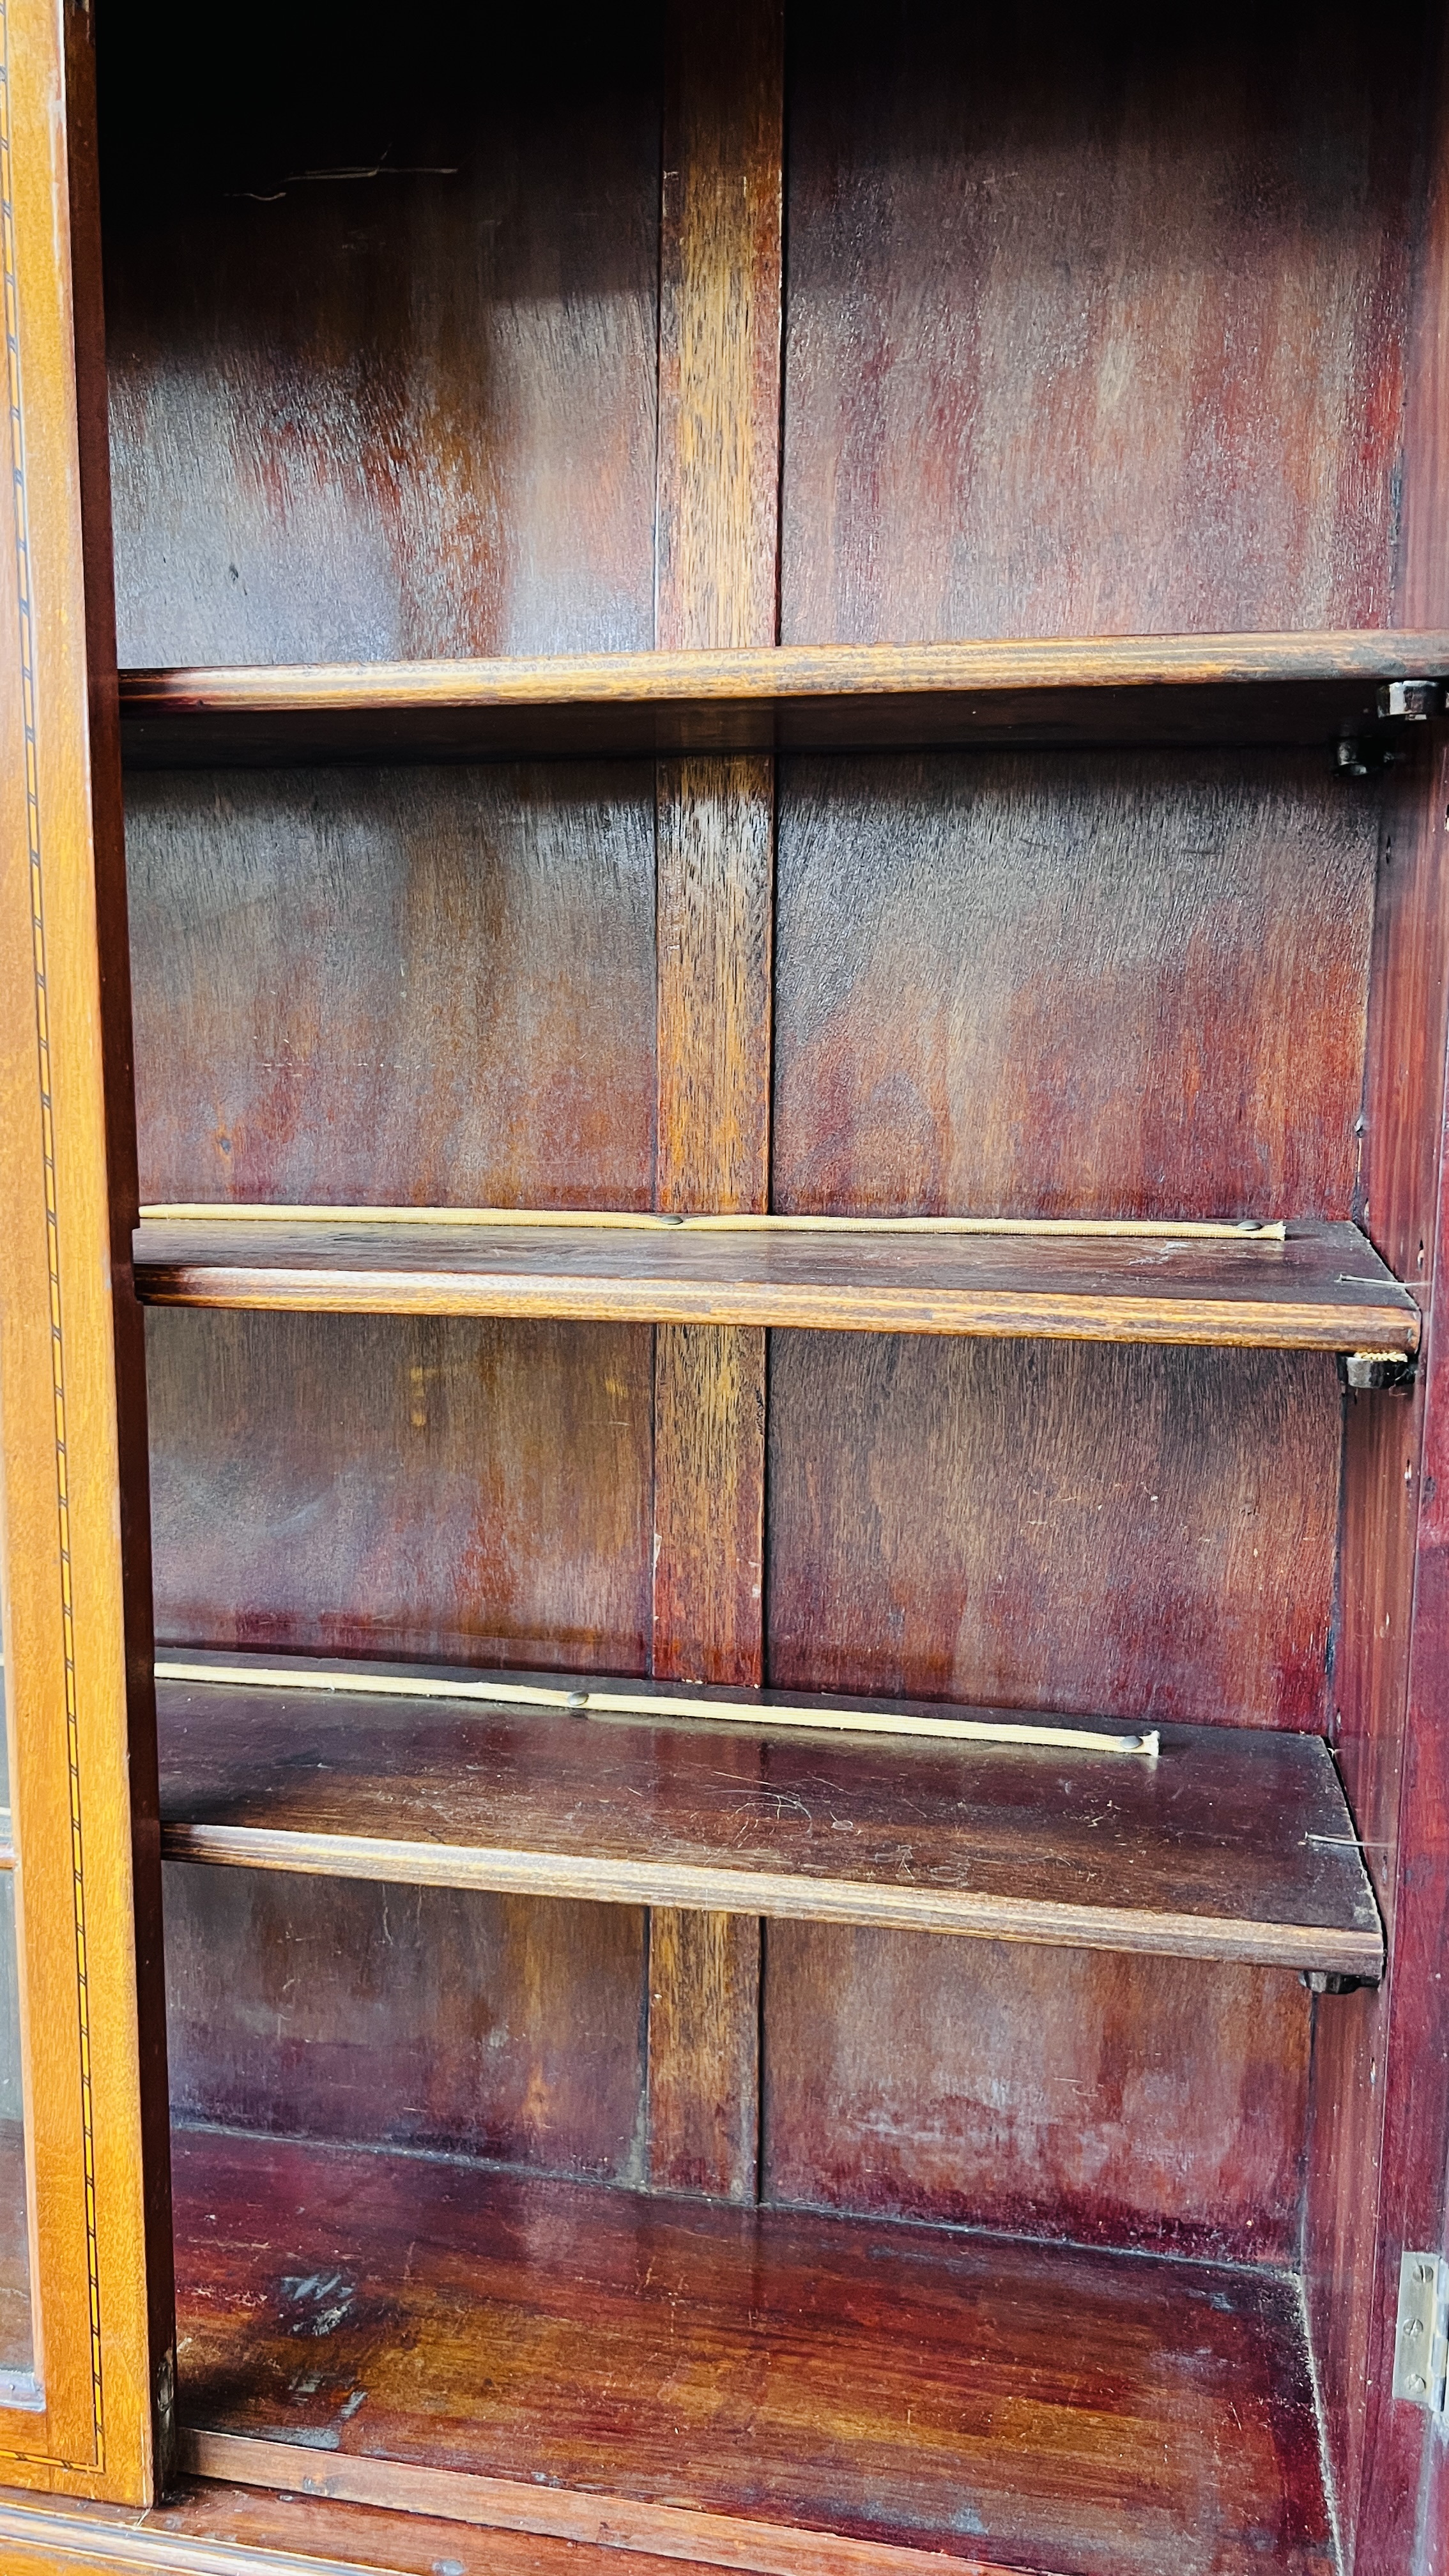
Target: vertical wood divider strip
{"type": "Point", "coordinates": [721, 296]}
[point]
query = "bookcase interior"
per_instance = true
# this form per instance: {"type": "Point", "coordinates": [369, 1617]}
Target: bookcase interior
{"type": "Point", "coordinates": [425, 349]}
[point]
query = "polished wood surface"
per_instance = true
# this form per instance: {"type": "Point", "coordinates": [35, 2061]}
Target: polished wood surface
{"type": "Point", "coordinates": [659, 819]}
{"type": "Point", "coordinates": [1095, 325]}
{"type": "Point", "coordinates": [1323, 1289]}
{"type": "Point", "coordinates": [1397, 1501]}
{"type": "Point", "coordinates": [455, 1489]}
{"type": "Point", "coordinates": [205, 2528]}
{"type": "Point", "coordinates": [1225, 1845]}
{"type": "Point", "coordinates": [509, 2027]}
{"type": "Point", "coordinates": [1394, 2505]}
{"type": "Point", "coordinates": [741, 694]}
{"type": "Point", "coordinates": [362, 2310]}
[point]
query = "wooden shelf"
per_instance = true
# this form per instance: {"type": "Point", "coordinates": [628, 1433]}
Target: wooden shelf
{"type": "Point", "coordinates": [1233, 1843]}
{"type": "Point", "coordinates": [757, 2388]}
{"type": "Point", "coordinates": [1323, 1288]}
{"type": "Point", "coordinates": [1296, 688]}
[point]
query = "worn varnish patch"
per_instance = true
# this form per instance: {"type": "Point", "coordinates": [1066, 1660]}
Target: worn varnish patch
{"type": "Point", "coordinates": [408, 408]}
{"type": "Point", "coordinates": [1155, 2103]}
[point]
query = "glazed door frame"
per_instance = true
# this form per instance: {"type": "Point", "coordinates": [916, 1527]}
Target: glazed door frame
{"type": "Point", "coordinates": [77, 1579]}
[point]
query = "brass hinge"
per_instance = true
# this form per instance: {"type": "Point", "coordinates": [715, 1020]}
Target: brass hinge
{"type": "Point", "coordinates": [1421, 2341]}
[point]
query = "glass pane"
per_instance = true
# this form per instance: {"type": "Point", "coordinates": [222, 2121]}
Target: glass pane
{"type": "Point", "coordinates": [16, 2347]}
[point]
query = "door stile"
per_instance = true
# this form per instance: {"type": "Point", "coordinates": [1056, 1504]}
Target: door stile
{"type": "Point", "coordinates": [78, 1646]}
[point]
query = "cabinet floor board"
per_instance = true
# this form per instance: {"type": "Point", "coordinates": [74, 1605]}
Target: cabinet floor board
{"type": "Point", "coordinates": [674, 2372]}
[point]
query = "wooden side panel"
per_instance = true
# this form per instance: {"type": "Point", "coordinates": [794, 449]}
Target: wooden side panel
{"type": "Point", "coordinates": [1133, 1532]}
{"type": "Point", "coordinates": [1097, 320]}
{"type": "Point", "coordinates": [1134, 2102]}
{"type": "Point", "coordinates": [1379, 2139]}
{"type": "Point", "coordinates": [718, 498]}
{"type": "Point", "coordinates": [382, 332]}
{"type": "Point", "coordinates": [1103, 985]}
{"type": "Point", "coordinates": [397, 985]}
{"type": "Point", "coordinates": [409, 2017]}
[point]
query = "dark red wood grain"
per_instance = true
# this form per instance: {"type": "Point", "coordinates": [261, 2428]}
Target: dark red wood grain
{"type": "Point", "coordinates": [391, 1487]}
{"type": "Point", "coordinates": [1400, 1500]}
{"type": "Point", "coordinates": [1315, 1287]}
{"type": "Point", "coordinates": [1150, 2103]}
{"type": "Point", "coordinates": [1231, 1845]}
{"type": "Point", "coordinates": [408, 2017]}
{"type": "Point", "coordinates": [992, 2401]}
{"type": "Point", "coordinates": [1096, 324]}
{"type": "Point", "coordinates": [1106, 325]}
{"type": "Point", "coordinates": [1145, 1533]}
{"type": "Point", "coordinates": [398, 985]}
{"type": "Point", "coordinates": [1090, 986]}
{"type": "Point", "coordinates": [337, 1485]}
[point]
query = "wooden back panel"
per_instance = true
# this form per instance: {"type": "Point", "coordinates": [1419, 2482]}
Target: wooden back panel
{"type": "Point", "coordinates": [1096, 320]}
{"type": "Point", "coordinates": [1097, 984]}
{"type": "Point", "coordinates": [1141, 2102]}
{"type": "Point", "coordinates": [403, 985]}
{"type": "Point", "coordinates": [382, 324]}
{"type": "Point", "coordinates": [1070, 1526]}
{"type": "Point", "coordinates": [494, 2027]}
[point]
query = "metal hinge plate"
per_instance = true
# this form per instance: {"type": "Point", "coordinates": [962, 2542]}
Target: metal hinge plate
{"type": "Point", "coordinates": [1421, 2342]}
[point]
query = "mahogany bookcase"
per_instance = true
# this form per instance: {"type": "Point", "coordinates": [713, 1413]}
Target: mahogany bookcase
{"type": "Point", "coordinates": [725, 949]}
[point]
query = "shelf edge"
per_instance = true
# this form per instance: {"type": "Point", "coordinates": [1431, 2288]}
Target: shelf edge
{"type": "Point", "coordinates": [1385, 1331]}
{"type": "Point", "coordinates": [780, 1896]}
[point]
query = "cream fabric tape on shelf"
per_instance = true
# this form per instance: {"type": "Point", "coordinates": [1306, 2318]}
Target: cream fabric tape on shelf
{"type": "Point", "coordinates": [1215, 1230]}
{"type": "Point", "coordinates": [623, 1703]}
